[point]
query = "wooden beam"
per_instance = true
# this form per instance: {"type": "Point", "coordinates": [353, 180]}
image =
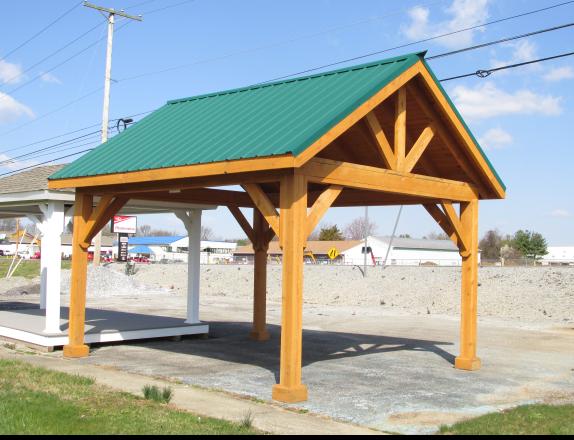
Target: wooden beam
{"type": "Point", "coordinates": [385, 149]}
{"type": "Point", "coordinates": [320, 207]}
{"type": "Point", "coordinates": [247, 229]}
{"type": "Point", "coordinates": [401, 128]}
{"type": "Point", "coordinates": [418, 149]}
{"type": "Point", "coordinates": [468, 360]}
{"type": "Point", "coordinates": [76, 348]}
{"type": "Point", "coordinates": [264, 205]}
{"type": "Point", "coordinates": [443, 221]}
{"type": "Point", "coordinates": [293, 203]}
{"type": "Point", "coordinates": [376, 179]}
{"type": "Point", "coordinates": [199, 196]}
{"type": "Point", "coordinates": [96, 214]}
{"type": "Point", "coordinates": [104, 217]}
{"type": "Point", "coordinates": [182, 172]}
{"type": "Point", "coordinates": [260, 247]}
{"type": "Point", "coordinates": [455, 224]}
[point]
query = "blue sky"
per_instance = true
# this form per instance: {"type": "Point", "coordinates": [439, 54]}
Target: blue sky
{"type": "Point", "coordinates": [523, 117]}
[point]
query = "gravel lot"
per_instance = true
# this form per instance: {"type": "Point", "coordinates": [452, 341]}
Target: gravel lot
{"type": "Point", "coordinates": [539, 295]}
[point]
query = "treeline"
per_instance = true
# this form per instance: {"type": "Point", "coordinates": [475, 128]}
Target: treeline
{"type": "Point", "coordinates": [523, 244]}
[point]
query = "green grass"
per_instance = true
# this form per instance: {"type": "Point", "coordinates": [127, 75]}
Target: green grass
{"type": "Point", "coordinates": [152, 392]}
{"type": "Point", "coordinates": [27, 268]}
{"type": "Point", "coordinates": [38, 401]}
{"type": "Point", "coordinates": [530, 419]}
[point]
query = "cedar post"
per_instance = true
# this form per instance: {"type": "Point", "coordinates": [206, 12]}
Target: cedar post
{"type": "Point", "coordinates": [82, 211]}
{"type": "Point", "coordinates": [293, 216]}
{"type": "Point", "coordinates": [467, 360]}
{"type": "Point", "coordinates": [260, 248]}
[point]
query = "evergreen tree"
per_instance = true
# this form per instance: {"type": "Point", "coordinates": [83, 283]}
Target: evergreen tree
{"type": "Point", "coordinates": [330, 233]}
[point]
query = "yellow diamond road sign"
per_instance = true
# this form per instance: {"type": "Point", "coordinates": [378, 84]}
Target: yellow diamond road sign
{"type": "Point", "coordinates": [333, 253]}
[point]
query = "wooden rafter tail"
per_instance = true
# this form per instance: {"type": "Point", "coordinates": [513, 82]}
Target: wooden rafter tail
{"type": "Point", "coordinates": [264, 204]}
{"type": "Point", "coordinates": [385, 149]}
{"type": "Point", "coordinates": [419, 148]}
{"type": "Point", "coordinates": [401, 128]}
{"type": "Point", "coordinates": [320, 207]}
{"type": "Point", "coordinates": [103, 217]}
{"type": "Point", "coordinates": [247, 228]}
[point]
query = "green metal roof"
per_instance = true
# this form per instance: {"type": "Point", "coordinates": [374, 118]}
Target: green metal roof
{"type": "Point", "coordinates": [258, 121]}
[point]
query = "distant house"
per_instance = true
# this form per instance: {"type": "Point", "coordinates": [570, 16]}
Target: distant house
{"type": "Point", "coordinates": [403, 252]}
{"type": "Point", "coordinates": [106, 248]}
{"type": "Point", "coordinates": [559, 255]}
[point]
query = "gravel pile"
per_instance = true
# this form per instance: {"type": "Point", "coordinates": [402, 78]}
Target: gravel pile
{"type": "Point", "coordinates": [107, 281]}
{"type": "Point", "coordinates": [528, 294]}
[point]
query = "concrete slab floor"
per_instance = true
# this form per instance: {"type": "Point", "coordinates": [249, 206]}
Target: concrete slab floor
{"type": "Point", "coordinates": [391, 373]}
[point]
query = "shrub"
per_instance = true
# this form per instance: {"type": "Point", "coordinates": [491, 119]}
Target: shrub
{"type": "Point", "coordinates": [152, 392]}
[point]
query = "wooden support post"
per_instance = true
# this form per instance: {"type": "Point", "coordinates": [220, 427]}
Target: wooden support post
{"type": "Point", "coordinates": [401, 128]}
{"type": "Point", "coordinates": [260, 248]}
{"type": "Point", "coordinates": [467, 360]}
{"type": "Point", "coordinates": [76, 347]}
{"type": "Point", "coordinates": [293, 216]}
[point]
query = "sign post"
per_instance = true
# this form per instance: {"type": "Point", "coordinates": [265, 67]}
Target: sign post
{"type": "Point", "coordinates": [123, 247]}
{"type": "Point", "coordinates": [124, 225]}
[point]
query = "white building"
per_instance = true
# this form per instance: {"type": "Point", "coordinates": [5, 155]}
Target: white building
{"type": "Point", "coordinates": [405, 252]}
{"type": "Point", "coordinates": [559, 255]}
{"type": "Point", "coordinates": [175, 248]}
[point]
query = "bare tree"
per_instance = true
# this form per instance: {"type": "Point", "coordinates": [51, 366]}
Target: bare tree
{"type": "Point", "coordinates": [144, 230]}
{"type": "Point", "coordinates": [206, 233]}
{"type": "Point", "coordinates": [8, 224]}
{"type": "Point", "coordinates": [356, 229]}
{"type": "Point", "coordinates": [436, 236]}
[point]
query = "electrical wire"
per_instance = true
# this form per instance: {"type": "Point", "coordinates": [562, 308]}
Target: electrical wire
{"type": "Point", "coordinates": [425, 40]}
{"type": "Point", "coordinates": [503, 40]}
{"type": "Point", "coordinates": [41, 31]}
{"type": "Point", "coordinates": [57, 51]}
{"type": "Point", "coordinates": [487, 72]}
{"type": "Point", "coordinates": [272, 45]}
{"type": "Point", "coordinates": [44, 163]}
{"type": "Point", "coordinates": [168, 7]}
{"type": "Point", "coordinates": [35, 156]}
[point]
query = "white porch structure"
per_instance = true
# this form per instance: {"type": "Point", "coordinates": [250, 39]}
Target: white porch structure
{"type": "Point", "coordinates": [26, 195]}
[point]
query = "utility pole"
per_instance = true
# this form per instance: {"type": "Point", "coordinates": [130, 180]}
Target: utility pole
{"type": "Point", "coordinates": [111, 16]}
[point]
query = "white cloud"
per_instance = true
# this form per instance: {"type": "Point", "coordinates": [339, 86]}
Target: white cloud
{"type": "Point", "coordinates": [49, 78]}
{"type": "Point", "coordinates": [487, 101]}
{"type": "Point", "coordinates": [10, 109]}
{"type": "Point", "coordinates": [496, 138]}
{"type": "Point", "coordinates": [562, 213]}
{"type": "Point", "coordinates": [462, 14]}
{"type": "Point", "coordinates": [10, 73]}
{"type": "Point", "coordinates": [559, 74]}
{"type": "Point", "coordinates": [522, 51]}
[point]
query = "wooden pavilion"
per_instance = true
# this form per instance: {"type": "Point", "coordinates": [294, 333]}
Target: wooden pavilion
{"type": "Point", "coordinates": [383, 133]}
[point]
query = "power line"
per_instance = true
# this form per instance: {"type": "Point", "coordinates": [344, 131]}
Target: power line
{"type": "Point", "coordinates": [272, 45]}
{"type": "Point", "coordinates": [44, 163]}
{"type": "Point", "coordinates": [54, 53]}
{"type": "Point", "coordinates": [41, 31]}
{"type": "Point", "coordinates": [67, 60]}
{"type": "Point", "coordinates": [436, 37]}
{"type": "Point", "coordinates": [503, 40]}
{"type": "Point", "coordinates": [487, 72]}
{"type": "Point", "coordinates": [50, 146]}
{"type": "Point", "coordinates": [153, 11]}
{"type": "Point", "coordinates": [35, 156]}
